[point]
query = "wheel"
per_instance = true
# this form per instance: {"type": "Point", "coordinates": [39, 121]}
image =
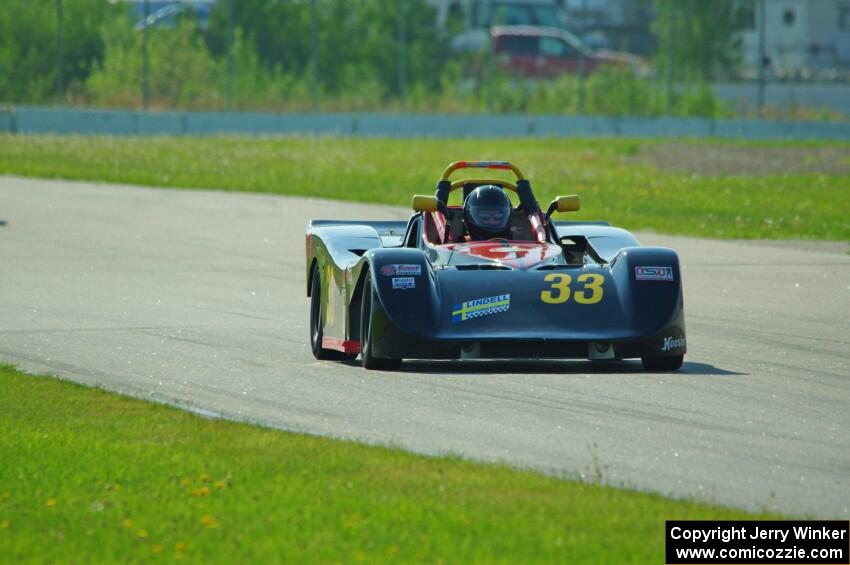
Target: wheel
{"type": "Point", "coordinates": [662, 363]}
{"type": "Point", "coordinates": [369, 361]}
{"type": "Point", "coordinates": [317, 326]}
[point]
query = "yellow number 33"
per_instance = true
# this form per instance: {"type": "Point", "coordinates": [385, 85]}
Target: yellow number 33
{"type": "Point", "coordinates": [590, 293]}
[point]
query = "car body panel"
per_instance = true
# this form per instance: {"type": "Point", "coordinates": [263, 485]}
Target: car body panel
{"type": "Point", "coordinates": [497, 299]}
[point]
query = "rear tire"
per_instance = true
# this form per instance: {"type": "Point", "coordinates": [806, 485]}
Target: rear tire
{"type": "Point", "coordinates": [662, 363]}
{"type": "Point", "coordinates": [370, 361]}
{"type": "Point", "coordinates": [317, 328]}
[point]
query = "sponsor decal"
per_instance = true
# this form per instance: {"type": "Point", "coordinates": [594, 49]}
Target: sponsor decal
{"type": "Point", "coordinates": [671, 343]}
{"type": "Point", "coordinates": [402, 283]}
{"type": "Point", "coordinates": [480, 307]}
{"type": "Point", "coordinates": [654, 273]}
{"type": "Point", "coordinates": [403, 270]}
{"type": "Point", "coordinates": [514, 254]}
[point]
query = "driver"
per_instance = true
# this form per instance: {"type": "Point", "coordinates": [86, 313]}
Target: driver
{"type": "Point", "coordinates": [487, 213]}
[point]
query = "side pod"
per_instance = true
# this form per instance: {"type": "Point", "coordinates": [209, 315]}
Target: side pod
{"type": "Point", "coordinates": [651, 283]}
{"type": "Point", "coordinates": [404, 292]}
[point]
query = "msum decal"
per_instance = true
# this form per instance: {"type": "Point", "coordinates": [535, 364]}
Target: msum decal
{"type": "Point", "coordinates": [403, 283]}
{"type": "Point", "coordinates": [654, 273]}
{"type": "Point", "coordinates": [480, 307]}
{"type": "Point", "coordinates": [401, 270]}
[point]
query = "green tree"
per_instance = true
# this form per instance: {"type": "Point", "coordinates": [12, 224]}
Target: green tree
{"type": "Point", "coordinates": [701, 35]}
{"type": "Point", "coordinates": [28, 46]}
{"type": "Point", "coordinates": [183, 74]}
{"type": "Point", "coordinates": [358, 41]}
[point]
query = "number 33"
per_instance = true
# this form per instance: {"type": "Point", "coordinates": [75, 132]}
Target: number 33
{"type": "Point", "coordinates": [590, 293]}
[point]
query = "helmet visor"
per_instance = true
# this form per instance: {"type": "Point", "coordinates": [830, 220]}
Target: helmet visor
{"type": "Point", "coordinates": [490, 218]}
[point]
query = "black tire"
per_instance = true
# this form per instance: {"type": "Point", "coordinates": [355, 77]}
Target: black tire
{"type": "Point", "coordinates": [662, 363]}
{"type": "Point", "coordinates": [368, 360]}
{"type": "Point", "coordinates": [317, 326]}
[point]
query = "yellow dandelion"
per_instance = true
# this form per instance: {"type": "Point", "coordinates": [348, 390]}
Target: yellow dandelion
{"type": "Point", "coordinates": [202, 491]}
{"type": "Point", "coordinates": [186, 483]}
{"type": "Point", "coordinates": [51, 502]}
{"type": "Point", "coordinates": [127, 523]}
{"type": "Point", "coordinates": [204, 477]}
{"type": "Point", "coordinates": [143, 533]}
{"type": "Point", "coordinates": [209, 521]}
{"type": "Point", "coordinates": [220, 484]}
{"type": "Point", "coordinates": [4, 525]}
{"type": "Point", "coordinates": [180, 546]}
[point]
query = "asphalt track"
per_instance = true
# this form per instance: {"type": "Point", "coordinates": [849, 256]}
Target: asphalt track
{"type": "Point", "coordinates": [198, 298]}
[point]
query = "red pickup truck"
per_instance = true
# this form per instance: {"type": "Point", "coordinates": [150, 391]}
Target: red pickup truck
{"type": "Point", "coordinates": [545, 52]}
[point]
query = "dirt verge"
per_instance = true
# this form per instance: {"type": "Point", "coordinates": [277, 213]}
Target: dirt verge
{"type": "Point", "coordinates": [709, 159]}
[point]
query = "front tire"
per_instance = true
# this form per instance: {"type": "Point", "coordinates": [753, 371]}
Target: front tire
{"type": "Point", "coordinates": [673, 363]}
{"type": "Point", "coordinates": [366, 347]}
{"type": "Point", "coordinates": [317, 327]}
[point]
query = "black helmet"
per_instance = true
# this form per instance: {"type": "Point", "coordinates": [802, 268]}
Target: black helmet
{"type": "Point", "coordinates": [487, 213]}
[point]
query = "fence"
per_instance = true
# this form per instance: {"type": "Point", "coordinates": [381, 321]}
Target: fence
{"type": "Point", "coordinates": [32, 120]}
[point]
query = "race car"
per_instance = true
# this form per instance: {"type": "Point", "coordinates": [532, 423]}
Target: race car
{"type": "Point", "coordinates": [493, 278]}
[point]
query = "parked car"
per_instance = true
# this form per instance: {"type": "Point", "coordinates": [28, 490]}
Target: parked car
{"type": "Point", "coordinates": [546, 52]}
{"type": "Point", "coordinates": [480, 15]}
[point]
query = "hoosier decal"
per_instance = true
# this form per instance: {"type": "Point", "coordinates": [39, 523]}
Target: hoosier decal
{"type": "Point", "coordinates": [480, 307]}
{"type": "Point", "coordinates": [671, 343]}
{"type": "Point", "coordinates": [654, 273]}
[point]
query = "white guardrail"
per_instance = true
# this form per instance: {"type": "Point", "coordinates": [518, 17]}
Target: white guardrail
{"type": "Point", "coordinates": [35, 120]}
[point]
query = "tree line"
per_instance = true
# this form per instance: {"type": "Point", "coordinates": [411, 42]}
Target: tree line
{"type": "Point", "coordinates": [371, 54]}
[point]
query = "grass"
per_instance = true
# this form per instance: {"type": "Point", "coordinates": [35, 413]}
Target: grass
{"type": "Point", "coordinates": [91, 476]}
{"type": "Point", "coordinates": [615, 183]}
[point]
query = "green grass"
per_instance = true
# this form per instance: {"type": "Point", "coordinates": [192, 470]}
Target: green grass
{"type": "Point", "coordinates": [91, 476]}
{"type": "Point", "coordinates": [614, 182]}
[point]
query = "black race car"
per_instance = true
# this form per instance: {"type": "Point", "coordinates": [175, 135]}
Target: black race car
{"type": "Point", "coordinates": [426, 289]}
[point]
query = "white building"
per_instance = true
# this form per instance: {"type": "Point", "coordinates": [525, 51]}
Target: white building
{"type": "Point", "coordinates": [625, 24]}
{"type": "Point", "coordinates": [801, 36]}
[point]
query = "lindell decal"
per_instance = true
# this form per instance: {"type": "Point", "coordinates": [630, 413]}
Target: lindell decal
{"type": "Point", "coordinates": [480, 307]}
